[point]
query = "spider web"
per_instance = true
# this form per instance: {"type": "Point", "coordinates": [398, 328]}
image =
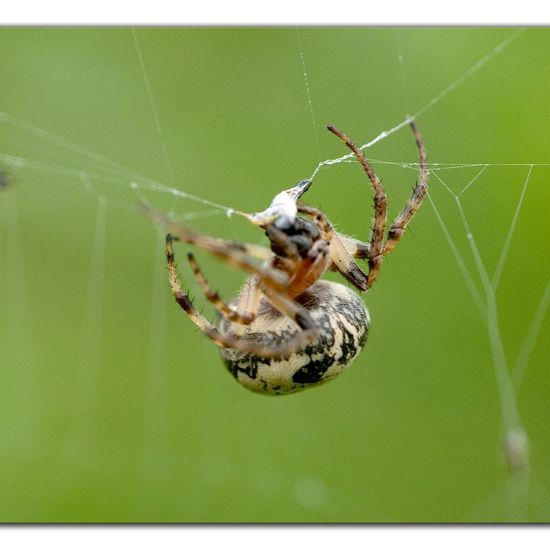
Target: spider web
{"type": "Point", "coordinates": [30, 149]}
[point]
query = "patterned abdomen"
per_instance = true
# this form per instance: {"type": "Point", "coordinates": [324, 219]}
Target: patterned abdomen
{"type": "Point", "coordinates": [343, 322]}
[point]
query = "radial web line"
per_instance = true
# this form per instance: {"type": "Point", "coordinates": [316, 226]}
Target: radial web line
{"type": "Point", "coordinates": [510, 414]}
{"type": "Point", "coordinates": [74, 147]}
{"type": "Point", "coordinates": [474, 68]}
{"type": "Point", "coordinates": [507, 242]}
{"type": "Point", "coordinates": [445, 186]}
{"type": "Point", "coordinates": [471, 182]}
{"type": "Point", "coordinates": [156, 411]}
{"type": "Point", "coordinates": [508, 401]}
{"type": "Point", "coordinates": [20, 354]}
{"type": "Point", "coordinates": [155, 186]}
{"type": "Point", "coordinates": [474, 293]}
{"type": "Point", "coordinates": [401, 62]}
{"type": "Point", "coordinates": [152, 102]}
{"type": "Point", "coordinates": [18, 162]}
{"type": "Point", "coordinates": [308, 94]}
{"type": "Point", "coordinates": [85, 392]}
{"type": "Point", "coordinates": [134, 180]}
{"type": "Point", "coordinates": [88, 176]}
{"type": "Point", "coordinates": [515, 439]}
{"type": "Point", "coordinates": [514, 434]}
{"type": "Point", "coordinates": [441, 166]}
{"type": "Point", "coordinates": [531, 338]}
{"type": "Point", "coordinates": [451, 87]}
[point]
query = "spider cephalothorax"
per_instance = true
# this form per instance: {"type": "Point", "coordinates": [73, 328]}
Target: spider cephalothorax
{"type": "Point", "coordinates": [288, 329]}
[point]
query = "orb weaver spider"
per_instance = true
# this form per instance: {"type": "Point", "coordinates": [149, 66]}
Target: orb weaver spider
{"type": "Point", "coordinates": [288, 330]}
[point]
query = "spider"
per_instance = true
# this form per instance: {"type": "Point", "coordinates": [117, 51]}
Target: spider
{"type": "Point", "coordinates": [288, 329]}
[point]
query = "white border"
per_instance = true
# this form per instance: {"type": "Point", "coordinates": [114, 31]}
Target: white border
{"type": "Point", "coordinates": [282, 12]}
{"type": "Point", "coordinates": [270, 537]}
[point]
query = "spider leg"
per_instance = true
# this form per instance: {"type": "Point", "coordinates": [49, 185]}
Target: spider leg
{"type": "Point", "coordinates": [228, 340]}
{"type": "Point", "coordinates": [309, 331]}
{"type": "Point", "coordinates": [248, 300]}
{"type": "Point", "coordinates": [313, 266]}
{"type": "Point", "coordinates": [285, 305]}
{"type": "Point", "coordinates": [214, 298]}
{"type": "Point", "coordinates": [342, 249]}
{"type": "Point", "coordinates": [307, 270]}
{"type": "Point", "coordinates": [232, 252]}
{"type": "Point", "coordinates": [299, 315]}
{"type": "Point", "coordinates": [186, 234]}
{"type": "Point", "coordinates": [358, 249]}
{"type": "Point", "coordinates": [398, 227]}
{"type": "Point", "coordinates": [320, 219]}
{"type": "Point", "coordinates": [343, 260]}
{"type": "Point", "coordinates": [181, 297]}
{"type": "Point", "coordinates": [375, 255]}
{"type": "Point", "coordinates": [284, 246]}
{"type": "Point", "coordinates": [310, 269]}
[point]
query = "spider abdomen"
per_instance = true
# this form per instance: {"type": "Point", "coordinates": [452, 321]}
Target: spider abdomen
{"type": "Point", "coordinates": [343, 322]}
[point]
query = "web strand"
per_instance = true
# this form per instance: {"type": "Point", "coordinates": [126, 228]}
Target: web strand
{"type": "Point", "coordinates": [471, 265]}
{"type": "Point", "coordinates": [154, 110]}
{"type": "Point", "coordinates": [308, 94]}
{"type": "Point", "coordinates": [107, 171]}
{"type": "Point", "coordinates": [514, 434]}
{"type": "Point", "coordinates": [156, 415]}
{"type": "Point", "coordinates": [401, 63]}
{"type": "Point", "coordinates": [435, 99]}
{"type": "Point", "coordinates": [499, 48]}
{"type": "Point", "coordinates": [19, 357]}
{"type": "Point", "coordinates": [531, 338]}
{"type": "Point", "coordinates": [502, 259]}
{"type": "Point", "coordinates": [138, 181]}
{"type": "Point", "coordinates": [85, 390]}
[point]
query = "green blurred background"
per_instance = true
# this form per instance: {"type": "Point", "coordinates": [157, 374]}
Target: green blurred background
{"type": "Point", "coordinates": [113, 408]}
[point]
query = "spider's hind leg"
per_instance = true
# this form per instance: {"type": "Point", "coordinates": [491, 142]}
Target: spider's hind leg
{"type": "Point", "coordinates": [233, 340]}
{"type": "Point", "coordinates": [180, 296]}
{"type": "Point", "coordinates": [226, 310]}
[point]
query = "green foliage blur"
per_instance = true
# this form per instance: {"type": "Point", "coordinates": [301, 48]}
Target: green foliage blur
{"type": "Point", "coordinates": [114, 408]}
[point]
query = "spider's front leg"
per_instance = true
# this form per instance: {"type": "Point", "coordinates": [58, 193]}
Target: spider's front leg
{"type": "Point", "coordinates": [398, 227]}
{"type": "Point", "coordinates": [375, 255]}
{"type": "Point", "coordinates": [377, 249]}
{"type": "Point", "coordinates": [342, 249]}
{"type": "Point", "coordinates": [235, 253]}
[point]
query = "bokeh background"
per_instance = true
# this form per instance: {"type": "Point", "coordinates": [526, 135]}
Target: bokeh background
{"type": "Point", "coordinates": [113, 408]}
